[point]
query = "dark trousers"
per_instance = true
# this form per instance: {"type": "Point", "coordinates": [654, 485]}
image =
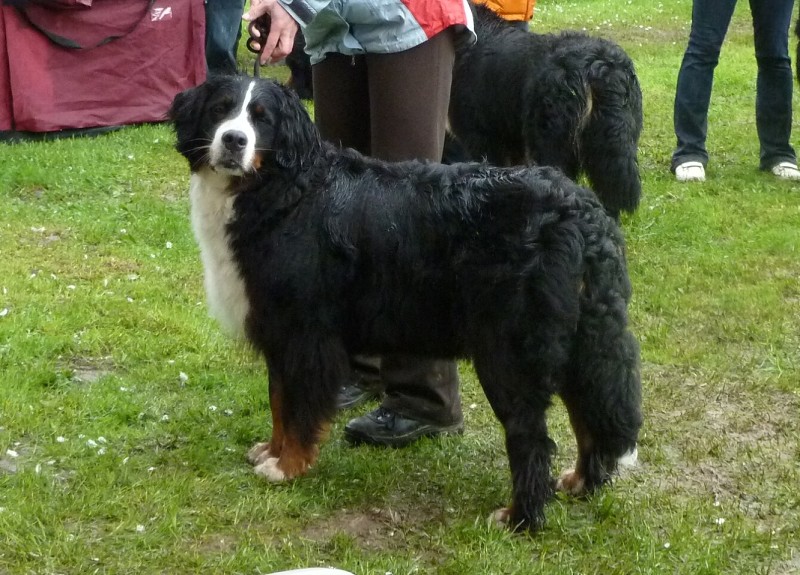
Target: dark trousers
{"type": "Point", "coordinates": [223, 30]}
{"type": "Point", "coordinates": [394, 107]}
{"type": "Point", "coordinates": [710, 21]}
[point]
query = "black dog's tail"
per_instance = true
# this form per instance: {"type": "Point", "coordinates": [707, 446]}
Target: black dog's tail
{"type": "Point", "coordinates": [608, 134]}
{"type": "Point", "coordinates": [602, 390]}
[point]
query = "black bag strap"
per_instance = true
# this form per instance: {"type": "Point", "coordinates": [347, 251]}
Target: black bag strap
{"type": "Point", "coordinates": [74, 44]}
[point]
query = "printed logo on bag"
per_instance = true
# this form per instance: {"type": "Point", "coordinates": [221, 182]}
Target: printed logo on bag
{"type": "Point", "coordinates": [157, 14]}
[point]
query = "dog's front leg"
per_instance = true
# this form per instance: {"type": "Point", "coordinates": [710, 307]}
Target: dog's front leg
{"type": "Point", "coordinates": [302, 390]}
{"type": "Point", "coordinates": [271, 449]}
{"type": "Point", "coordinates": [292, 450]}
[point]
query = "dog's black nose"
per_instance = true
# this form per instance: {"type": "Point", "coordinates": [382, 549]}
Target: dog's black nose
{"type": "Point", "coordinates": [234, 140]}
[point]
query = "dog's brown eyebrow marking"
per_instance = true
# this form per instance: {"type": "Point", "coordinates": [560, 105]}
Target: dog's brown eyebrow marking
{"type": "Point", "coordinates": [258, 110]}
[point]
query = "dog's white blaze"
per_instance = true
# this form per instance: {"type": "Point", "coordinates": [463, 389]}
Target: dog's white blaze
{"type": "Point", "coordinates": [241, 122]}
{"type": "Point", "coordinates": [212, 209]}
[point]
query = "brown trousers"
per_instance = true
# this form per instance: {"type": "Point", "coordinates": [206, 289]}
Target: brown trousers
{"type": "Point", "coordinates": [394, 107]}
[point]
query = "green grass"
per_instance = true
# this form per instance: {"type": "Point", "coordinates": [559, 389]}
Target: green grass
{"type": "Point", "coordinates": [124, 465]}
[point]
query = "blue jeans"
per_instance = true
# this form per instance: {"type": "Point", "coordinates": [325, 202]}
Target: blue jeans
{"type": "Point", "coordinates": [710, 20]}
{"type": "Point", "coordinates": [223, 30]}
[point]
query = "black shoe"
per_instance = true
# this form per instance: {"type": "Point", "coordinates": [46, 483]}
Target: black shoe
{"type": "Point", "coordinates": [355, 393]}
{"type": "Point", "coordinates": [387, 428]}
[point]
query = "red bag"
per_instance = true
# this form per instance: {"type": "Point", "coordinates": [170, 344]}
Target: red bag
{"type": "Point", "coordinates": [77, 64]}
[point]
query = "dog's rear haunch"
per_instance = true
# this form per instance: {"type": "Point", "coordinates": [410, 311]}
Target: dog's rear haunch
{"type": "Point", "coordinates": [314, 253]}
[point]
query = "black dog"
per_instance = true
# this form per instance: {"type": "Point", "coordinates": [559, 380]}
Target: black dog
{"type": "Point", "coordinates": [313, 253]}
{"type": "Point", "coordinates": [568, 100]}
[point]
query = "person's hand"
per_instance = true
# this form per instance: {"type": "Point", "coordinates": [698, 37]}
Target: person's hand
{"type": "Point", "coordinates": [280, 40]}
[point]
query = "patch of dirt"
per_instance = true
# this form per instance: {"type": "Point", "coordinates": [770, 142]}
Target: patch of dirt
{"type": "Point", "coordinates": [374, 529]}
{"type": "Point", "coordinates": [88, 369]}
{"type": "Point", "coordinates": [722, 436]}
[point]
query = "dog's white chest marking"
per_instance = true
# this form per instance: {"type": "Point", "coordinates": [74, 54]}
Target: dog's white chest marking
{"type": "Point", "coordinates": [212, 209]}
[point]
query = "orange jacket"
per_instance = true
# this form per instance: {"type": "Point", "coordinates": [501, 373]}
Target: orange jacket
{"type": "Point", "coordinates": [512, 9]}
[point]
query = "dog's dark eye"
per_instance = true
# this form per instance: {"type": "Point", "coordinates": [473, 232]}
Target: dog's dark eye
{"type": "Point", "coordinates": [221, 107]}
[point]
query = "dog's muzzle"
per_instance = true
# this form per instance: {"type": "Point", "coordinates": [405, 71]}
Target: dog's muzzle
{"type": "Point", "coordinates": [232, 150]}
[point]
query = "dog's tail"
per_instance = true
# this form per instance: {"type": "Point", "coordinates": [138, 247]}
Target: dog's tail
{"type": "Point", "coordinates": [602, 389]}
{"type": "Point", "coordinates": [608, 135]}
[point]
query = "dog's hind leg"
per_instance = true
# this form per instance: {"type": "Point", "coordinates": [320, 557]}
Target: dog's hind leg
{"type": "Point", "coordinates": [521, 410]}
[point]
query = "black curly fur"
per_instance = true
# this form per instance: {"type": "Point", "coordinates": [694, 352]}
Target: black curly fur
{"type": "Point", "coordinates": [519, 269]}
{"type": "Point", "coordinates": [567, 100]}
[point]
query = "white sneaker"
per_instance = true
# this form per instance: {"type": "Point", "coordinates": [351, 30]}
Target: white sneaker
{"type": "Point", "coordinates": [694, 172]}
{"type": "Point", "coordinates": [786, 171]}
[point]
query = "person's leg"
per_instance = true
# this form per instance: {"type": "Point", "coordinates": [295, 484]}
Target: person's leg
{"type": "Point", "coordinates": [341, 101]}
{"type": "Point", "coordinates": [223, 30]}
{"type": "Point", "coordinates": [341, 113]}
{"type": "Point", "coordinates": [771, 21]}
{"type": "Point", "coordinates": [710, 20]}
{"type": "Point", "coordinates": [409, 97]}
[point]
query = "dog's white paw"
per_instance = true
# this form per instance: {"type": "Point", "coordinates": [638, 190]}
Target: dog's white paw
{"type": "Point", "coordinates": [500, 518]}
{"type": "Point", "coordinates": [629, 459]}
{"type": "Point", "coordinates": [258, 453]}
{"type": "Point", "coordinates": [571, 483]}
{"type": "Point", "coordinates": [270, 471]}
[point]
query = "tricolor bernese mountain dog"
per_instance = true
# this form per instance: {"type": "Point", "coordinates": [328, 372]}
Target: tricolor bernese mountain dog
{"type": "Point", "coordinates": [314, 253]}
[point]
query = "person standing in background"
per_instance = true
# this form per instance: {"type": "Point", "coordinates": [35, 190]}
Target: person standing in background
{"type": "Point", "coordinates": [710, 21]}
{"type": "Point", "coordinates": [223, 31]}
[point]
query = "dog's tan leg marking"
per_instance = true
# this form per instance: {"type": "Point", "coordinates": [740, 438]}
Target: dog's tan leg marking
{"type": "Point", "coordinates": [295, 460]}
{"type": "Point", "coordinates": [286, 457]}
{"type": "Point", "coordinates": [572, 481]}
{"type": "Point", "coordinates": [262, 451]}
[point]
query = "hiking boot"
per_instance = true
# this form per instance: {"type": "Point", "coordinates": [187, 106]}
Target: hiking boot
{"type": "Point", "coordinates": [355, 393]}
{"type": "Point", "coordinates": [386, 428]}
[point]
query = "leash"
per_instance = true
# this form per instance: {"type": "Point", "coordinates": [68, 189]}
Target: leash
{"type": "Point", "coordinates": [262, 25]}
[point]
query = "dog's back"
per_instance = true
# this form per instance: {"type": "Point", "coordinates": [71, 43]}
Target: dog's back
{"type": "Point", "coordinates": [567, 100]}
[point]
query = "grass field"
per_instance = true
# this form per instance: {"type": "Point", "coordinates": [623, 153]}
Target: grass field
{"type": "Point", "coordinates": [125, 414]}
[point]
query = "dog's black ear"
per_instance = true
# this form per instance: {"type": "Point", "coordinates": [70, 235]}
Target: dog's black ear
{"type": "Point", "coordinates": [185, 113]}
{"type": "Point", "coordinates": [296, 137]}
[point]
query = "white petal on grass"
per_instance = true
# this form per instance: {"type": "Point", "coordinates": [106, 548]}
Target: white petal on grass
{"type": "Point", "coordinates": [182, 377]}
{"type": "Point", "coordinates": [12, 453]}
{"type": "Point", "coordinates": [91, 443]}
{"type": "Point", "coordinates": [168, 245]}
{"type": "Point", "coordinates": [4, 312]}
{"type": "Point", "coordinates": [140, 528]}
{"type": "Point", "coordinates": [60, 439]}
